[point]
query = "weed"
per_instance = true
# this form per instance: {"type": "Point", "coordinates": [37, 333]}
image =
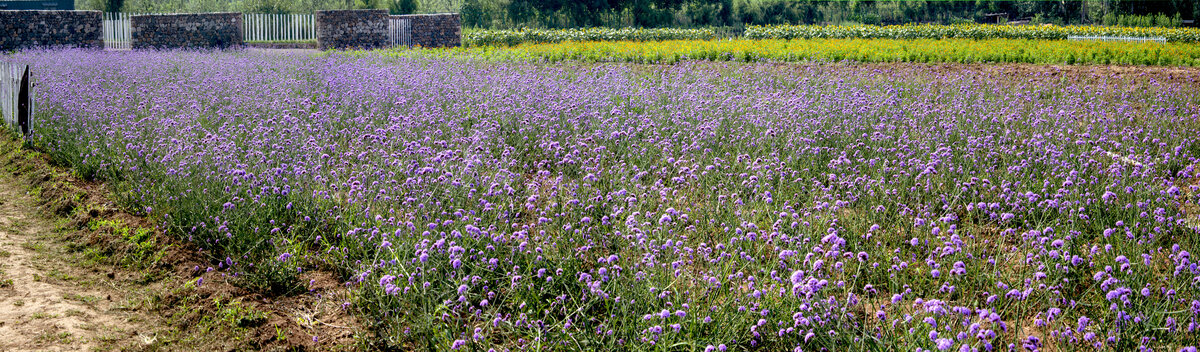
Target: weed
{"type": "Point", "coordinates": [57, 274]}
{"type": "Point", "coordinates": [60, 338]}
{"type": "Point", "coordinates": [42, 315]}
{"type": "Point", "coordinates": [87, 299]}
{"type": "Point", "coordinates": [236, 314]}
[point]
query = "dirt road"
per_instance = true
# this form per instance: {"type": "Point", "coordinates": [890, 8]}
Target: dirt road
{"type": "Point", "coordinates": [47, 304]}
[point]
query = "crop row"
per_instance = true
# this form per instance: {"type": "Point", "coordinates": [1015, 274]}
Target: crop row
{"type": "Point", "coordinates": [908, 31]}
{"type": "Point", "coordinates": [506, 37]}
{"type": "Point", "coordinates": [878, 50]}
{"type": "Point", "coordinates": [966, 31]}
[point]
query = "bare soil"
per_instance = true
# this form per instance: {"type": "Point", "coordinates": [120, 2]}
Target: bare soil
{"type": "Point", "coordinates": [72, 280]}
{"type": "Point", "coordinates": [46, 306]}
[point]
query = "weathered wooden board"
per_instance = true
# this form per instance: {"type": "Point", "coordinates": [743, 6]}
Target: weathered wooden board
{"type": "Point", "coordinates": [17, 96]}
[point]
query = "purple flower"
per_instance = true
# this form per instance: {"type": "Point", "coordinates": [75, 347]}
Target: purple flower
{"type": "Point", "coordinates": [944, 344]}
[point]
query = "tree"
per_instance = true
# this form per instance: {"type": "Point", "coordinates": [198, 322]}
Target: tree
{"type": "Point", "coordinates": [725, 16]}
{"type": "Point", "coordinates": [113, 5]}
{"type": "Point", "coordinates": [366, 4]}
{"type": "Point", "coordinates": [402, 7]}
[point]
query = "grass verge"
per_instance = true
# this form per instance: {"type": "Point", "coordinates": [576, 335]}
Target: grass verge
{"type": "Point", "coordinates": [170, 288]}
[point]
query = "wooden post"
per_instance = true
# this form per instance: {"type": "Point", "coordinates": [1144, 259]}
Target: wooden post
{"type": "Point", "coordinates": [25, 103]}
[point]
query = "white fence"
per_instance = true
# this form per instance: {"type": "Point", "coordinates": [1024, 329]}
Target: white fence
{"type": "Point", "coordinates": [400, 31]}
{"type": "Point", "coordinates": [1118, 39]}
{"type": "Point", "coordinates": [16, 96]}
{"type": "Point", "coordinates": [256, 27]}
{"type": "Point", "coordinates": [262, 27]}
{"type": "Point", "coordinates": [117, 34]}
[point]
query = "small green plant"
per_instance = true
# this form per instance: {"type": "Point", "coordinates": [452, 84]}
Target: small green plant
{"type": "Point", "coordinates": [233, 315]}
{"type": "Point", "coordinates": [61, 337]}
{"type": "Point", "coordinates": [142, 249]}
{"type": "Point", "coordinates": [87, 299]}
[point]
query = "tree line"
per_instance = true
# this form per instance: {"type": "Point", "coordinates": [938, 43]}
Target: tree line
{"type": "Point", "coordinates": [507, 14]}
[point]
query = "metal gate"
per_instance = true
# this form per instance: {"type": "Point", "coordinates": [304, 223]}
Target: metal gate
{"type": "Point", "coordinates": [400, 31]}
{"type": "Point", "coordinates": [260, 27]}
{"type": "Point", "coordinates": [117, 31]}
{"type": "Point", "coordinates": [16, 96]}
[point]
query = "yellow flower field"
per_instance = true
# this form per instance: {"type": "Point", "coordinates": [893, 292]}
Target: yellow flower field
{"type": "Point", "coordinates": [864, 50]}
{"type": "Point", "coordinates": [511, 37]}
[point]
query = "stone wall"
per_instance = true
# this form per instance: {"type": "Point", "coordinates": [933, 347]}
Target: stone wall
{"type": "Point", "coordinates": [199, 30]}
{"type": "Point", "coordinates": [435, 30]}
{"type": "Point", "coordinates": [359, 29]}
{"type": "Point", "coordinates": [41, 29]}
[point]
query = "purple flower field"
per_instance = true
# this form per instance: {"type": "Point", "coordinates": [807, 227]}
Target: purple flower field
{"type": "Point", "coordinates": [481, 206]}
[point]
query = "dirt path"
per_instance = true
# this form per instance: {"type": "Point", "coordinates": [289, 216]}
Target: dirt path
{"type": "Point", "coordinates": [49, 305]}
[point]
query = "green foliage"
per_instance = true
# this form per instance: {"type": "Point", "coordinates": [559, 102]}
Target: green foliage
{"type": "Point", "coordinates": [113, 5]}
{"type": "Point", "coordinates": [366, 4]}
{"type": "Point", "coordinates": [1155, 20]}
{"type": "Point", "coordinates": [140, 249]}
{"type": "Point", "coordinates": [510, 14]}
{"type": "Point", "coordinates": [506, 37]}
{"type": "Point", "coordinates": [526, 35]}
{"type": "Point", "coordinates": [965, 31]}
{"type": "Point", "coordinates": [402, 7]}
{"type": "Point", "coordinates": [874, 50]}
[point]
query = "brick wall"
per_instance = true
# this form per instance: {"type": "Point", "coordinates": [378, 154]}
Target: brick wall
{"type": "Point", "coordinates": [359, 29]}
{"type": "Point", "coordinates": [200, 30]}
{"type": "Point", "coordinates": [40, 29]}
{"type": "Point", "coordinates": [435, 30]}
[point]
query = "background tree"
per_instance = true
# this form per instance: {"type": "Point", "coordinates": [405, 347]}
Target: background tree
{"type": "Point", "coordinates": [113, 5]}
{"type": "Point", "coordinates": [734, 14]}
{"type": "Point", "coordinates": [402, 7]}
